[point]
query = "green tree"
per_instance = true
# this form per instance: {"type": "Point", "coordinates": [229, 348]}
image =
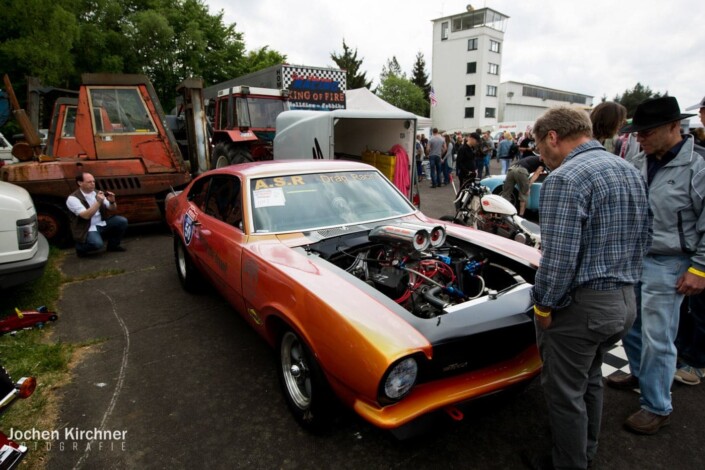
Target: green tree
{"type": "Point", "coordinates": [630, 99]}
{"type": "Point", "coordinates": [262, 58]}
{"type": "Point", "coordinates": [391, 68]}
{"type": "Point", "coordinates": [419, 77]}
{"type": "Point", "coordinates": [36, 39]}
{"type": "Point", "coordinates": [150, 36]}
{"type": "Point", "coordinates": [403, 94]}
{"type": "Point", "coordinates": [168, 40]}
{"type": "Point", "coordinates": [349, 62]}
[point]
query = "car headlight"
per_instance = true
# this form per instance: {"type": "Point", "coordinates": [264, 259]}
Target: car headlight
{"type": "Point", "coordinates": [399, 379]}
{"type": "Point", "coordinates": [27, 232]}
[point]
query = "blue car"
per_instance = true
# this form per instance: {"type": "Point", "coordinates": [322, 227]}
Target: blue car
{"type": "Point", "coordinates": [496, 182]}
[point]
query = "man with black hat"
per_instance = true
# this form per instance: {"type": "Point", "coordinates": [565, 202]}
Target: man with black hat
{"type": "Point", "coordinates": [691, 334]}
{"type": "Point", "coordinates": [675, 264]}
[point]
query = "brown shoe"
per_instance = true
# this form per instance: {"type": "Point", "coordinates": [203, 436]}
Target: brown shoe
{"type": "Point", "coordinates": [622, 381]}
{"type": "Point", "coordinates": [646, 422]}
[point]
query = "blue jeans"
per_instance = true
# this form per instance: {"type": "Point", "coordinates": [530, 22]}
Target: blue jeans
{"type": "Point", "coordinates": [113, 231]}
{"type": "Point", "coordinates": [447, 169]}
{"type": "Point", "coordinates": [505, 164]}
{"type": "Point", "coordinates": [479, 166]}
{"type": "Point", "coordinates": [650, 343]}
{"type": "Point", "coordinates": [436, 169]}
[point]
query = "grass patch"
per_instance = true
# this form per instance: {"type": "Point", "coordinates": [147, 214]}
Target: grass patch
{"type": "Point", "coordinates": [43, 291]}
{"type": "Point", "coordinates": [30, 354]}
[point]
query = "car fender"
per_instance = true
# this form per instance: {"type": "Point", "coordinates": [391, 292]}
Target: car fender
{"type": "Point", "coordinates": [336, 318]}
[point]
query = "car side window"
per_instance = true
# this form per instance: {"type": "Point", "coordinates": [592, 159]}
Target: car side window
{"type": "Point", "coordinates": [198, 193]}
{"type": "Point", "coordinates": [225, 200]}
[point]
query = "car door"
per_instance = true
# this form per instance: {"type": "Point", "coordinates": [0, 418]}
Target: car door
{"type": "Point", "coordinates": [220, 237]}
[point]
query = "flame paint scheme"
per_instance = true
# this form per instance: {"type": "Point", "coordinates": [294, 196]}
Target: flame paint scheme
{"type": "Point", "coordinates": [368, 301]}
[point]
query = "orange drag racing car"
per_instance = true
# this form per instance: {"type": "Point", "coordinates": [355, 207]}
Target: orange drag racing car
{"type": "Point", "coordinates": [367, 301]}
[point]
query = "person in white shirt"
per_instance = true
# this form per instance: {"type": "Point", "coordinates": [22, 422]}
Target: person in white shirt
{"type": "Point", "coordinates": [93, 219]}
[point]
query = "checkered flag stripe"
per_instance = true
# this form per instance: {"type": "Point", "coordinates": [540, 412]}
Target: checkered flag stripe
{"type": "Point", "coordinates": [326, 74]}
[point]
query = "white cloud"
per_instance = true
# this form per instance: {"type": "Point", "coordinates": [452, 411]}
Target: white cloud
{"type": "Point", "coordinates": [597, 47]}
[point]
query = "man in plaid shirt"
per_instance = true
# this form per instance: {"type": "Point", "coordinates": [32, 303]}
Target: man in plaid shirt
{"type": "Point", "coordinates": [595, 230]}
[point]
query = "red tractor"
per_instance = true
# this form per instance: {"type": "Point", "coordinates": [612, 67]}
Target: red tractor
{"type": "Point", "coordinates": [244, 121]}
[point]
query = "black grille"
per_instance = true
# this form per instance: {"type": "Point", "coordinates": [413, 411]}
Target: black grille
{"type": "Point", "coordinates": [117, 184]}
{"type": "Point", "coordinates": [462, 355]}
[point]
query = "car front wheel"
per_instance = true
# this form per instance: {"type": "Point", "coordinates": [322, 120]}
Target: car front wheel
{"type": "Point", "coordinates": [190, 278]}
{"type": "Point", "coordinates": [307, 393]}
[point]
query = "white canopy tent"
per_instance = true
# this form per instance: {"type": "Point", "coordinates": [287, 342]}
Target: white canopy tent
{"type": "Point", "coordinates": [362, 99]}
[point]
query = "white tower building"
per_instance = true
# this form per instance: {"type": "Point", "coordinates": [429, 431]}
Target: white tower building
{"type": "Point", "coordinates": [466, 67]}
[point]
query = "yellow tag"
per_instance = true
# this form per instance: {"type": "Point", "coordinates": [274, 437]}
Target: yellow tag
{"type": "Point", "coordinates": [19, 313]}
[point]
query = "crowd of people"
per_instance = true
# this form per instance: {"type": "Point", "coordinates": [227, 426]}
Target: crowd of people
{"type": "Point", "coordinates": [623, 256]}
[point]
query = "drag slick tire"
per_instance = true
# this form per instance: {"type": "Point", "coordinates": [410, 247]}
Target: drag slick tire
{"type": "Point", "coordinates": [307, 393]}
{"type": "Point", "coordinates": [228, 153]}
{"type": "Point", "coordinates": [191, 280]}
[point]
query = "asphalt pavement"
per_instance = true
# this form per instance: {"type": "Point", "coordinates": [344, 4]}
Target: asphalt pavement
{"type": "Point", "coordinates": [174, 380]}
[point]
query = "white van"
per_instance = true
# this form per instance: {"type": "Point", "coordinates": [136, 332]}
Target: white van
{"type": "Point", "coordinates": [23, 250]}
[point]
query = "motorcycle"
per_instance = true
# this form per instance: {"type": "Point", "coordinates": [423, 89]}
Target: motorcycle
{"type": "Point", "coordinates": [476, 207]}
{"type": "Point", "coordinates": [12, 453]}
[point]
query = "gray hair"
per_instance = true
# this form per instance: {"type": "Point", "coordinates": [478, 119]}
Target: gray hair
{"type": "Point", "coordinates": [567, 122]}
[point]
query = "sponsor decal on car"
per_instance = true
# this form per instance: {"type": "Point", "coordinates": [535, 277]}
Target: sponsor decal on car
{"type": "Point", "coordinates": [189, 219]}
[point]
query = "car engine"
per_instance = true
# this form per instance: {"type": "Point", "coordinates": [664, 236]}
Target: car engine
{"type": "Point", "coordinates": [421, 269]}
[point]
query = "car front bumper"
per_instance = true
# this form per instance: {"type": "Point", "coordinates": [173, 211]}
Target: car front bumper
{"type": "Point", "coordinates": [19, 272]}
{"type": "Point", "coordinates": [428, 397]}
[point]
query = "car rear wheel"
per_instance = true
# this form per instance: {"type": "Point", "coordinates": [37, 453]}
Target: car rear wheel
{"type": "Point", "coordinates": [307, 393]}
{"type": "Point", "coordinates": [191, 280]}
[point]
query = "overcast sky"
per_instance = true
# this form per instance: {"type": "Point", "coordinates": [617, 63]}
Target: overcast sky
{"type": "Point", "coordinates": [594, 47]}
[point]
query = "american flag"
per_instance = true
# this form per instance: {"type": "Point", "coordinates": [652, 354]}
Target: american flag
{"type": "Point", "coordinates": [432, 96]}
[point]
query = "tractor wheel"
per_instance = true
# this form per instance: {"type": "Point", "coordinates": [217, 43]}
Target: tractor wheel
{"type": "Point", "coordinates": [53, 222]}
{"type": "Point", "coordinates": [225, 154]}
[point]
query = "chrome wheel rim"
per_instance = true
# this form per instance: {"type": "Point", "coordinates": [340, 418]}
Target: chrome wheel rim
{"type": "Point", "coordinates": [296, 371]}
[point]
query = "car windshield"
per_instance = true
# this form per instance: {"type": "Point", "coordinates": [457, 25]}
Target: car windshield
{"type": "Point", "coordinates": [305, 202]}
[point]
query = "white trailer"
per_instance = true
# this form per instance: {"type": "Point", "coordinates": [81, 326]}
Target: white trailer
{"type": "Point", "coordinates": [347, 134]}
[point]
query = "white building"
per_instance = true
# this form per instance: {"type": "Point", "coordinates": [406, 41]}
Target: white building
{"type": "Point", "coordinates": [466, 70]}
{"type": "Point", "coordinates": [466, 66]}
{"type": "Point", "coordinates": [525, 102]}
